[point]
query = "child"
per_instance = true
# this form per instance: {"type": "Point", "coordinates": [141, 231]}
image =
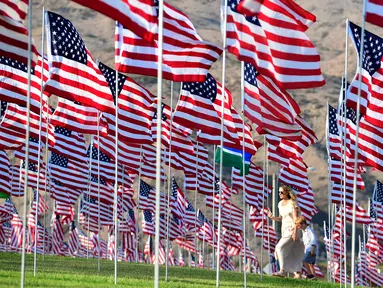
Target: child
{"type": "Point", "coordinates": [311, 246]}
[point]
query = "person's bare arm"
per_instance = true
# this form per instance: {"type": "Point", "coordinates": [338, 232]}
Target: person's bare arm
{"type": "Point", "coordinates": [270, 215]}
{"type": "Point", "coordinates": [295, 215]}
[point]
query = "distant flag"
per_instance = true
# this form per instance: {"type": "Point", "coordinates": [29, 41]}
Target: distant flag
{"type": "Point", "coordinates": [140, 16]}
{"type": "Point", "coordinates": [73, 73]}
{"type": "Point", "coordinates": [374, 12]}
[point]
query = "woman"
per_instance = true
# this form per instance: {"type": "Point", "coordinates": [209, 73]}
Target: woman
{"type": "Point", "coordinates": [289, 250]}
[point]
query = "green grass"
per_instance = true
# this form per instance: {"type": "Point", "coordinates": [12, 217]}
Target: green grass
{"type": "Point", "coordinates": [71, 272]}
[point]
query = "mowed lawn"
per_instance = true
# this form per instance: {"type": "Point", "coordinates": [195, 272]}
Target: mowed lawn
{"type": "Point", "coordinates": [71, 272]}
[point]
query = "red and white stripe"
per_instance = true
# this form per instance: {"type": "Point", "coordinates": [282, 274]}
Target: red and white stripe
{"type": "Point", "coordinates": [374, 12]}
{"type": "Point", "coordinates": [186, 57]}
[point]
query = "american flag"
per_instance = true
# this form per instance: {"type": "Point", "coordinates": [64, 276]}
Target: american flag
{"type": "Point", "coordinates": [38, 209]}
{"type": "Point", "coordinates": [369, 151]}
{"type": "Point", "coordinates": [33, 176]}
{"type": "Point", "coordinates": [34, 149]}
{"type": "Point", "coordinates": [16, 237]}
{"type": "Point", "coordinates": [77, 117]}
{"type": "Point", "coordinates": [371, 71]}
{"type": "Point", "coordinates": [376, 207]}
{"type": "Point", "coordinates": [178, 201]}
{"type": "Point", "coordinates": [73, 73]}
{"type": "Point", "coordinates": [57, 235]}
{"type": "Point", "coordinates": [199, 107]}
{"type": "Point", "coordinates": [265, 47]}
{"type": "Point", "coordinates": [148, 223]}
{"type": "Point", "coordinates": [9, 139]}
{"type": "Point", "coordinates": [5, 176]}
{"type": "Point", "coordinates": [94, 209]}
{"type": "Point", "coordinates": [70, 173]}
{"type": "Point", "coordinates": [196, 162]}
{"type": "Point", "coordinates": [69, 144]}
{"type": "Point", "coordinates": [336, 169]}
{"type": "Point", "coordinates": [135, 108]}
{"type": "Point", "coordinates": [205, 230]}
{"type": "Point", "coordinates": [139, 15]}
{"type": "Point", "coordinates": [361, 215]}
{"type": "Point", "coordinates": [107, 165]}
{"type": "Point", "coordinates": [15, 118]}
{"type": "Point", "coordinates": [13, 33]}
{"type": "Point", "coordinates": [374, 12]}
{"type": "Point", "coordinates": [74, 241]}
{"type": "Point", "coordinates": [128, 153]}
{"type": "Point", "coordinates": [334, 141]}
{"type": "Point", "coordinates": [148, 198]}
{"type": "Point", "coordinates": [14, 83]}
{"type": "Point", "coordinates": [272, 109]}
{"type": "Point", "coordinates": [186, 242]}
{"type": "Point", "coordinates": [180, 141]}
{"type": "Point", "coordinates": [186, 57]}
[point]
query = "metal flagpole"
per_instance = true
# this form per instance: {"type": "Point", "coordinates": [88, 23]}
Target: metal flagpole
{"type": "Point", "coordinates": [221, 142]}
{"type": "Point", "coordinates": [40, 146]}
{"type": "Point", "coordinates": [244, 174]}
{"type": "Point", "coordinates": [26, 161]}
{"type": "Point", "coordinates": [47, 176]}
{"type": "Point", "coordinates": [263, 202]}
{"type": "Point", "coordinates": [90, 183]}
{"type": "Point", "coordinates": [116, 182]}
{"type": "Point", "coordinates": [213, 256]}
{"type": "Point", "coordinates": [344, 89]}
{"type": "Point", "coordinates": [356, 149]}
{"type": "Point", "coordinates": [169, 182]}
{"type": "Point", "coordinates": [158, 160]}
{"type": "Point", "coordinates": [195, 204]}
{"type": "Point", "coordinates": [138, 205]}
{"type": "Point", "coordinates": [98, 192]}
{"type": "Point", "coordinates": [267, 201]}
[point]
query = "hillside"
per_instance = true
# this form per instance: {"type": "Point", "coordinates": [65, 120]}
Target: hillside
{"type": "Point", "coordinates": [328, 34]}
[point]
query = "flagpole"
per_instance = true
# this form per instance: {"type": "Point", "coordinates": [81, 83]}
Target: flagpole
{"type": "Point", "coordinates": [116, 182]}
{"type": "Point", "coordinates": [263, 202]}
{"type": "Point", "coordinates": [213, 258]}
{"type": "Point", "coordinates": [39, 151]}
{"type": "Point", "coordinates": [244, 174]}
{"type": "Point", "coordinates": [267, 201]}
{"type": "Point", "coordinates": [98, 192]}
{"type": "Point", "coordinates": [356, 149]}
{"type": "Point", "coordinates": [344, 149]}
{"type": "Point", "coordinates": [27, 140]}
{"type": "Point", "coordinates": [158, 160]}
{"type": "Point", "coordinates": [169, 182]}
{"type": "Point", "coordinates": [221, 142]}
{"type": "Point", "coordinates": [138, 205]}
{"type": "Point", "coordinates": [195, 204]}
{"type": "Point", "coordinates": [90, 183]}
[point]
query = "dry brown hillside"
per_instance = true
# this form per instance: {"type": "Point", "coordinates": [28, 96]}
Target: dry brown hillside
{"type": "Point", "coordinates": [328, 34]}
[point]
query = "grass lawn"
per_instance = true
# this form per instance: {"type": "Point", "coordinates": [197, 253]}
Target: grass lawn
{"type": "Point", "coordinates": [71, 272]}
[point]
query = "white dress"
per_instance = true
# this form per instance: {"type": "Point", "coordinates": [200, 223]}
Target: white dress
{"type": "Point", "coordinates": [289, 252]}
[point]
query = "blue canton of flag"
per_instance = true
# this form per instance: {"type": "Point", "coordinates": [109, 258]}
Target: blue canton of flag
{"type": "Point", "coordinates": [373, 214]}
{"type": "Point", "coordinates": [163, 117]}
{"type": "Point", "coordinates": [206, 89]}
{"type": "Point", "coordinates": [250, 74]}
{"type": "Point", "coordinates": [332, 123]}
{"type": "Point", "coordinates": [65, 40]}
{"type": "Point", "coordinates": [110, 76]}
{"type": "Point", "coordinates": [144, 189]}
{"type": "Point", "coordinates": [233, 4]}
{"type": "Point", "coordinates": [373, 48]}
{"type": "Point", "coordinates": [379, 192]}
{"type": "Point", "coordinates": [16, 64]}
{"type": "Point", "coordinates": [95, 151]}
{"type": "Point", "coordinates": [57, 159]}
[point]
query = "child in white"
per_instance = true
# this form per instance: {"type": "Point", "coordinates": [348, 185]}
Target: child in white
{"type": "Point", "coordinates": [311, 245]}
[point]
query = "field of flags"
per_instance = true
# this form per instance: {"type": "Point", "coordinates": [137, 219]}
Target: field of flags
{"type": "Point", "coordinates": [87, 163]}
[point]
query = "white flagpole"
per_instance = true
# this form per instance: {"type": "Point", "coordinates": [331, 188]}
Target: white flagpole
{"type": "Point", "coordinates": [356, 149]}
{"type": "Point", "coordinates": [213, 258]}
{"type": "Point", "coordinates": [195, 205]}
{"type": "Point", "coordinates": [244, 174]}
{"type": "Point", "coordinates": [263, 201]}
{"type": "Point", "coordinates": [39, 151]}
{"type": "Point", "coordinates": [90, 183]}
{"type": "Point", "coordinates": [27, 141]}
{"type": "Point", "coordinates": [158, 160]}
{"type": "Point", "coordinates": [170, 183]}
{"type": "Point", "coordinates": [138, 205]}
{"type": "Point", "coordinates": [221, 142]}
{"type": "Point", "coordinates": [116, 183]}
{"type": "Point", "coordinates": [98, 193]}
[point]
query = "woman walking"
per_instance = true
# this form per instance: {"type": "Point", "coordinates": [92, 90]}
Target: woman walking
{"type": "Point", "coordinates": [290, 249]}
